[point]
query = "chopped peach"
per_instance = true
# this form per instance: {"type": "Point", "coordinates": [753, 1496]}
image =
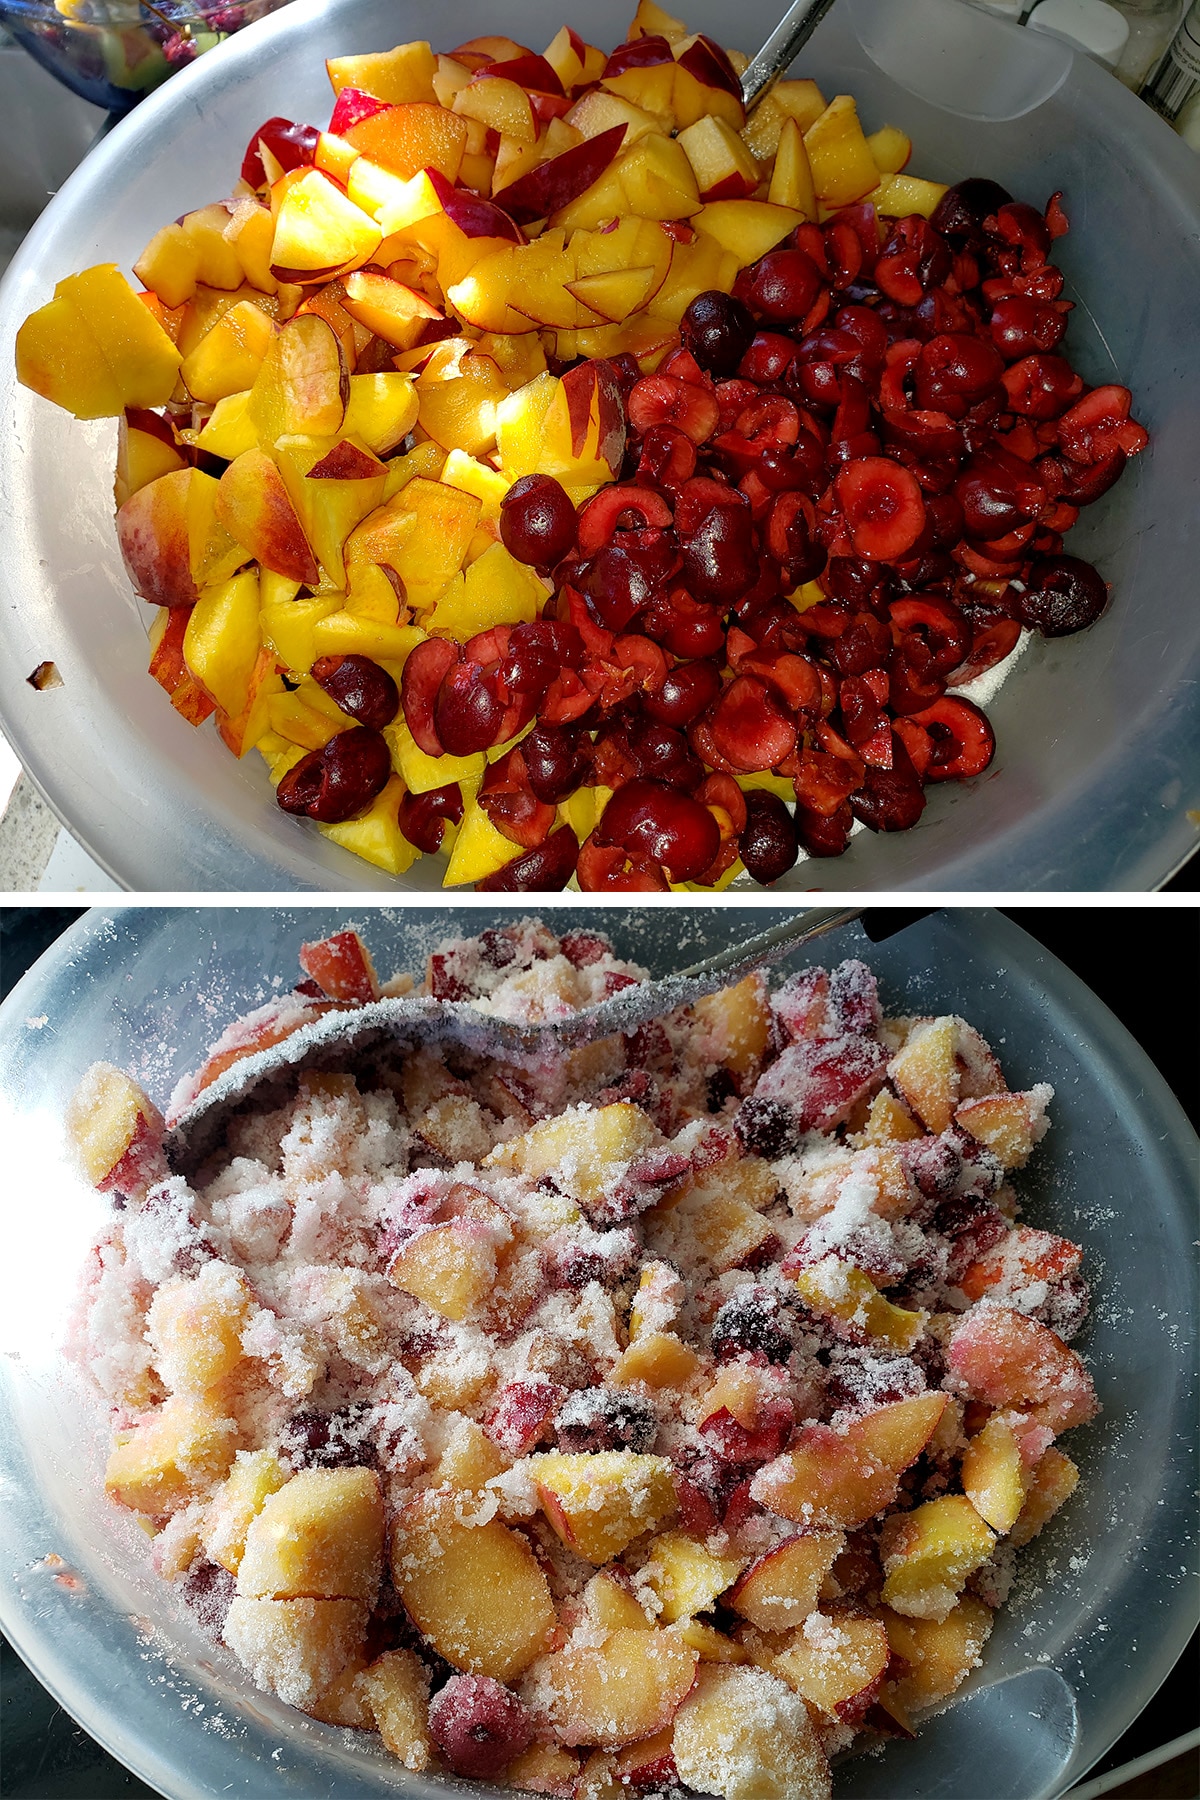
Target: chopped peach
{"type": "Point", "coordinates": [619, 1691]}
{"type": "Point", "coordinates": [117, 1131]}
{"type": "Point", "coordinates": [1007, 1359]}
{"type": "Point", "coordinates": [938, 1654]}
{"type": "Point", "coordinates": [1053, 1482]}
{"type": "Point", "coordinates": [739, 1021]}
{"type": "Point", "coordinates": [319, 232]}
{"type": "Point", "coordinates": [195, 1327]}
{"type": "Point", "coordinates": [320, 1535]}
{"type": "Point", "coordinates": [545, 1769]}
{"type": "Point", "coordinates": [837, 1662]}
{"type": "Point", "coordinates": [791, 177]}
{"type": "Point", "coordinates": [256, 509]}
{"type": "Point", "coordinates": [744, 1735]}
{"type": "Point", "coordinates": [171, 540]}
{"type": "Point", "coordinates": [928, 1554]}
{"type": "Point", "coordinates": [782, 1587]}
{"type": "Point", "coordinates": [295, 1648]}
{"type": "Point", "coordinates": [837, 1290]}
{"type": "Point", "coordinates": [397, 1688]}
{"type": "Point", "coordinates": [843, 168]}
{"type": "Point", "coordinates": [171, 1455]}
{"type": "Point", "coordinates": [599, 1503]}
{"type": "Point", "coordinates": [1008, 1124]}
{"type": "Point", "coordinates": [993, 1475]}
{"type": "Point", "coordinates": [611, 1603]}
{"type": "Point", "coordinates": [719, 1226]}
{"type": "Point", "coordinates": [228, 358]}
{"type": "Point", "coordinates": [95, 349]}
{"type": "Point", "coordinates": [475, 1591]}
{"type": "Point", "coordinates": [710, 1644]}
{"type": "Point", "coordinates": [405, 73]}
{"type": "Point", "coordinates": [303, 387]}
{"type": "Point", "coordinates": [747, 229]}
{"type": "Point", "coordinates": [926, 1072]}
{"type": "Point", "coordinates": [843, 1478]}
{"type": "Point", "coordinates": [451, 1267]}
{"type": "Point", "coordinates": [146, 449]}
{"type": "Point", "coordinates": [685, 1576]}
{"type": "Point", "coordinates": [255, 1475]}
{"type": "Point", "coordinates": [586, 1150]}
{"type": "Point", "coordinates": [658, 1358]}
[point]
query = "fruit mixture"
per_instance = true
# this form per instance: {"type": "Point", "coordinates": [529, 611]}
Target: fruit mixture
{"type": "Point", "coordinates": [557, 469]}
{"type": "Point", "coordinates": [667, 1415]}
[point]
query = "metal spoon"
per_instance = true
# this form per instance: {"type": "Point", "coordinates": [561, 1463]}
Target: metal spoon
{"type": "Point", "coordinates": [782, 48]}
{"type": "Point", "coordinates": [383, 1023]}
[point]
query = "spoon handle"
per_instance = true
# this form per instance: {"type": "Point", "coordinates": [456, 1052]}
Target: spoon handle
{"type": "Point", "coordinates": [781, 48]}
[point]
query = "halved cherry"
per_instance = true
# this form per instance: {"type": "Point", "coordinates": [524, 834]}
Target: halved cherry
{"type": "Point", "coordinates": [793, 678]}
{"type": "Point", "coordinates": [612, 869]}
{"type": "Point", "coordinates": [993, 637]}
{"type": "Point", "coordinates": [661, 753]}
{"type": "Point", "coordinates": [545, 870]}
{"type": "Point", "coordinates": [823, 783]}
{"type": "Point", "coordinates": [423, 818]}
{"type": "Point", "coordinates": [667, 458]}
{"type": "Point", "coordinates": [1041, 386]}
{"type": "Point", "coordinates": [683, 625]}
{"type": "Point", "coordinates": [665, 400]}
{"type": "Point", "coordinates": [467, 712]}
{"type": "Point", "coordinates": [824, 834]}
{"type": "Point", "coordinates": [1020, 325]}
{"type": "Point", "coordinates": [963, 741]}
{"type": "Point", "coordinates": [622, 507]}
{"type": "Point", "coordinates": [686, 690]}
{"type": "Point", "coordinates": [939, 625]}
{"type": "Point", "coordinates": [420, 683]}
{"type": "Point", "coordinates": [720, 559]}
{"type": "Point", "coordinates": [882, 503]}
{"type": "Point", "coordinates": [890, 799]}
{"type": "Point", "coordinates": [781, 286]}
{"type": "Point", "coordinates": [510, 803]}
{"type": "Point", "coordinates": [658, 821]}
{"type": "Point", "coordinates": [1099, 424]}
{"type": "Point", "coordinates": [954, 370]}
{"type": "Point", "coordinates": [644, 657]}
{"type": "Point", "coordinates": [749, 727]}
{"type": "Point", "coordinates": [1063, 594]}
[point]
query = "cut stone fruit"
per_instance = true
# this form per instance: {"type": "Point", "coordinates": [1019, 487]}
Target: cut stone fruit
{"type": "Point", "coordinates": [744, 1735]}
{"type": "Point", "coordinates": [993, 1475]}
{"type": "Point", "coordinates": [780, 1590]}
{"type": "Point", "coordinates": [620, 1691]}
{"type": "Point", "coordinates": [320, 1536]}
{"type": "Point", "coordinates": [117, 1132]}
{"type": "Point", "coordinates": [685, 1576]}
{"type": "Point", "coordinates": [598, 1504]}
{"type": "Point", "coordinates": [1010, 1360]}
{"type": "Point", "coordinates": [295, 1648]}
{"type": "Point", "coordinates": [928, 1554]}
{"type": "Point", "coordinates": [843, 1478]}
{"type": "Point", "coordinates": [171, 1455]}
{"type": "Point", "coordinates": [397, 1688]}
{"type": "Point", "coordinates": [837, 1662]}
{"type": "Point", "coordinates": [938, 1654]}
{"type": "Point", "coordinates": [474, 1591]}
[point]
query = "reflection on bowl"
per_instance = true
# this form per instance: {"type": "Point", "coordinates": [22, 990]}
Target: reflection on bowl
{"type": "Point", "coordinates": [111, 52]}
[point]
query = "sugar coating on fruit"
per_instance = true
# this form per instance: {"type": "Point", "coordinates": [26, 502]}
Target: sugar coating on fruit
{"type": "Point", "coordinates": [574, 1373]}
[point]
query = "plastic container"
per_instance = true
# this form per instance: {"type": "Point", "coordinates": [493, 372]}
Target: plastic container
{"type": "Point", "coordinates": [1092, 26]}
{"type": "Point", "coordinates": [1094, 784]}
{"type": "Point", "coordinates": [1104, 1603]}
{"type": "Point", "coordinates": [112, 52]}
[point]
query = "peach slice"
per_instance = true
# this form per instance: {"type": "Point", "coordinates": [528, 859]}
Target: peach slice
{"type": "Point", "coordinates": [452, 1268]}
{"type": "Point", "coordinates": [381, 411]}
{"type": "Point", "coordinates": [296, 1648]}
{"type": "Point", "coordinates": [723, 167]}
{"type": "Point", "coordinates": [1008, 1359]}
{"type": "Point", "coordinates": [228, 358]}
{"type": "Point", "coordinates": [620, 1691]}
{"type": "Point", "coordinates": [319, 232]}
{"type": "Point", "coordinates": [926, 1072]}
{"type": "Point", "coordinates": [171, 540]}
{"type": "Point", "coordinates": [332, 486]}
{"type": "Point", "coordinates": [341, 966]}
{"type": "Point", "coordinates": [320, 1536]}
{"type": "Point", "coordinates": [705, 83]}
{"type": "Point", "coordinates": [169, 669]}
{"type": "Point", "coordinates": [791, 176]}
{"type": "Point", "coordinates": [928, 1554]}
{"type": "Point", "coordinates": [303, 386]}
{"type": "Point", "coordinates": [408, 138]}
{"type": "Point", "coordinates": [545, 1769]}
{"type": "Point", "coordinates": [1053, 1482]}
{"type": "Point", "coordinates": [171, 1455]}
{"type": "Point", "coordinates": [611, 1603]}
{"type": "Point", "coordinates": [170, 265]}
{"type": "Point", "coordinates": [392, 311]}
{"type": "Point", "coordinates": [747, 228]}
{"type": "Point", "coordinates": [659, 1359]}
{"type": "Point", "coordinates": [405, 73]}
{"type": "Point", "coordinates": [837, 1663]}
{"type": "Point", "coordinates": [993, 1475]}
{"type": "Point", "coordinates": [254, 507]}
{"type": "Point", "coordinates": [146, 449]}
{"type": "Point", "coordinates": [475, 1591]}
{"type": "Point", "coordinates": [656, 179]}
{"type": "Point", "coordinates": [938, 1654]}
{"type": "Point", "coordinates": [780, 1590]}
{"type": "Point", "coordinates": [738, 1023]}
{"type": "Point", "coordinates": [586, 1149]}
{"type": "Point", "coordinates": [255, 1475]}
{"type": "Point", "coordinates": [891, 149]}
{"type": "Point", "coordinates": [839, 155]}
{"type": "Point", "coordinates": [458, 401]}
{"type": "Point", "coordinates": [843, 1478]}
{"type": "Point", "coordinates": [1008, 1124]}
{"type": "Point", "coordinates": [743, 1734]}
{"type": "Point", "coordinates": [117, 1132]}
{"type": "Point", "coordinates": [96, 349]}
{"type": "Point", "coordinates": [195, 1328]}
{"type": "Point", "coordinates": [397, 1689]}
{"type": "Point", "coordinates": [838, 1291]}
{"type": "Point", "coordinates": [717, 1226]}
{"type": "Point", "coordinates": [685, 1576]}
{"type": "Point", "coordinates": [599, 1503]}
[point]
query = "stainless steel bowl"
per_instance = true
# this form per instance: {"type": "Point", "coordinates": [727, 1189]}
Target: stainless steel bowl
{"type": "Point", "coordinates": [1095, 782]}
{"type": "Point", "coordinates": [1104, 1601]}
